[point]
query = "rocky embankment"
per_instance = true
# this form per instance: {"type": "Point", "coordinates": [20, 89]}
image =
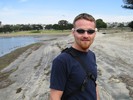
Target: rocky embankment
{"type": "Point", "coordinates": [115, 65]}
{"type": "Point", "coordinates": [29, 74]}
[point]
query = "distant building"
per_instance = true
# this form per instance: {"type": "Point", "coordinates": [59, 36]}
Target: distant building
{"type": "Point", "coordinates": [43, 25]}
{"type": "Point", "coordinates": [116, 24]}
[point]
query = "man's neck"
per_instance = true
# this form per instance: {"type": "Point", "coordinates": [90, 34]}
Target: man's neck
{"type": "Point", "coordinates": [79, 48]}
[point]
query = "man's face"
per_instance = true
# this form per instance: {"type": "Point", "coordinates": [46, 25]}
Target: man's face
{"type": "Point", "coordinates": [83, 40]}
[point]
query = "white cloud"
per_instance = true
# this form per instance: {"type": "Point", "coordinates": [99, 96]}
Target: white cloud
{"type": "Point", "coordinates": [115, 18]}
{"type": "Point", "coordinates": [29, 17]}
{"type": "Point", "coordinates": [10, 15]}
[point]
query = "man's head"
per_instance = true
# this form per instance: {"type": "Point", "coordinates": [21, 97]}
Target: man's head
{"type": "Point", "coordinates": [84, 16]}
{"type": "Point", "coordinates": [84, 31]}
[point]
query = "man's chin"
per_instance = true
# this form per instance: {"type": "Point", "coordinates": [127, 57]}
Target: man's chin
{"type": "Point", "coordinates": [85, 47]}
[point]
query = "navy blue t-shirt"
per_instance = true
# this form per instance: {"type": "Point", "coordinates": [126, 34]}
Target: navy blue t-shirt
{"type": "Point", "coordinates": [67, 75]}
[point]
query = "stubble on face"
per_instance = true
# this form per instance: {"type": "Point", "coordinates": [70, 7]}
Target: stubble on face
{"type": "Point", "coordinates": [83, 41]}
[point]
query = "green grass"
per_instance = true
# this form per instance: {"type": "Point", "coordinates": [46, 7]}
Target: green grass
{"type": "Point", "coordinates": [36, 32]}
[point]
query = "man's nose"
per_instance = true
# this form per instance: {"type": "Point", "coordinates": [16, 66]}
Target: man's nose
{"type": "Point", "coordinates": [86, 34]}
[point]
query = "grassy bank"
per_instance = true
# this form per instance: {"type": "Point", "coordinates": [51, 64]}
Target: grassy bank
{"type": "Point", "coordinates": [8, 58]}
{"type": "Point", "coordinates": [35, 32]}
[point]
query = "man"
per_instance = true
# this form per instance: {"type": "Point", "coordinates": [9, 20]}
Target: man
{"type": "Point", "coordinates": [67, 75]}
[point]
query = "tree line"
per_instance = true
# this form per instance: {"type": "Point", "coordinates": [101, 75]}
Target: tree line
{"type": "Point", "coordinates": [20, 27]}
{"type": "Point", "coordinates": [62, 25]}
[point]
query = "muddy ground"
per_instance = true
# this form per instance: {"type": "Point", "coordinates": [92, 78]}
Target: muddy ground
{"type": "Point", "coordinates": [28, 75]}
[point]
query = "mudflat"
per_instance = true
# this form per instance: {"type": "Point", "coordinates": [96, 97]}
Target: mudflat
{"type": "Point", "coordinates": [114, 54]}
{"type": "Point", "coordinates": [27, 77]}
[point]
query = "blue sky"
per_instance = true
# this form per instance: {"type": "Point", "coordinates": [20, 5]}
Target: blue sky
{"type": "Point", "coordinates": [51, 11]}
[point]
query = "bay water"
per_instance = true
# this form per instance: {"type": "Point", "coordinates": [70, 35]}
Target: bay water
{"type": "Point", "coordinates": [8, 44]}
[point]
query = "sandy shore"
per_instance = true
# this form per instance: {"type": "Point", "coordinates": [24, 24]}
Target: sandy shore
{"type": "Point", "coordinates": [28, 77]}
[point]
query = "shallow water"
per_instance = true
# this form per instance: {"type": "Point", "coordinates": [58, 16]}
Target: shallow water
{"type": "Point", "coordinates": [8, 44]}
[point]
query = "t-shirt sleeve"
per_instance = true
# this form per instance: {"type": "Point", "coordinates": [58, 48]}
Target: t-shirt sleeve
{"type": "Point", "coordinates": [58, 74]}
{"type": "Point", "coordinates": [94, 58]}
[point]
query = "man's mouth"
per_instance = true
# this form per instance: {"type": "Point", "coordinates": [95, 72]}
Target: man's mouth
{"type": "Point", "coordinates": [85, 40]}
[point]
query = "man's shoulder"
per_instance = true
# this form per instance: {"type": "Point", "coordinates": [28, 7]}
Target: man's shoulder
{"type": "Point", "coordinates": [63, 56]}
{"type": "Point", "coordinates": [91, 52]}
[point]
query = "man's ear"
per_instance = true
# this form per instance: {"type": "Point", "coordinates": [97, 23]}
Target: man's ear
{"type": "Point", "coordinates": [72, 30]}
{"type": "Point", "coordinates": [96, 29]}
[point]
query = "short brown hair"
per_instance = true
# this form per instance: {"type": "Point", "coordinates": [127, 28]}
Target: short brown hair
{"type": "Point", "coordinates": [84, 16]}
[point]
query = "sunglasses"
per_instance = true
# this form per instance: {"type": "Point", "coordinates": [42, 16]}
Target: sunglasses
{"type": "Point", "coordinates": [82, 31]}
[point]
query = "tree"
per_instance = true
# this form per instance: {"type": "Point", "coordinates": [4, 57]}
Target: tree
{"type": "Point", "coordinates": [69, 26]}
{"type": "Point", "coordinates": [36, 27]}
{"type": "Point", "coordinates": [56, 27]}
{"type": "Point", "coordinates": [128, 4]}
{"type": "Point", "coordinates": [0, 23]}
{"type": "Point", "coordinates": [131, 25]}
{"type": "Point", "coordinates": [7, 28]}
{"type": "Point", "coordinates": [63, 24]}
{"type": "Point", "coordinates": [121, 26]}
{"type": "Point", "coordinates": [49, 26]}
{"type": "Point", "coordinates": [100, 24]}
{"type": "Point", "coordinates": [16, 28]}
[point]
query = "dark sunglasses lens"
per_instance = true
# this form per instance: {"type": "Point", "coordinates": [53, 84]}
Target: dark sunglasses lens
{"type": "Point", "coordinates": [80, 31]}
{"type": "Point", "coordinates": [90, 31]}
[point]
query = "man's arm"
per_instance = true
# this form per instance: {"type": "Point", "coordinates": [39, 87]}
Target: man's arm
{"type": "Point", "coordinates": [55, 94]}
{"type": "Point", "coordinates": [97, 92]}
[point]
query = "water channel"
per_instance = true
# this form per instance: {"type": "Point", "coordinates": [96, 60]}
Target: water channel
{"type": "Point", "coordinates": [8, 44]}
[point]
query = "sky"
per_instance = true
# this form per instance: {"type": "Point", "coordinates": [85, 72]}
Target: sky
{"type": "Point", "coordinates": [51, 11]}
